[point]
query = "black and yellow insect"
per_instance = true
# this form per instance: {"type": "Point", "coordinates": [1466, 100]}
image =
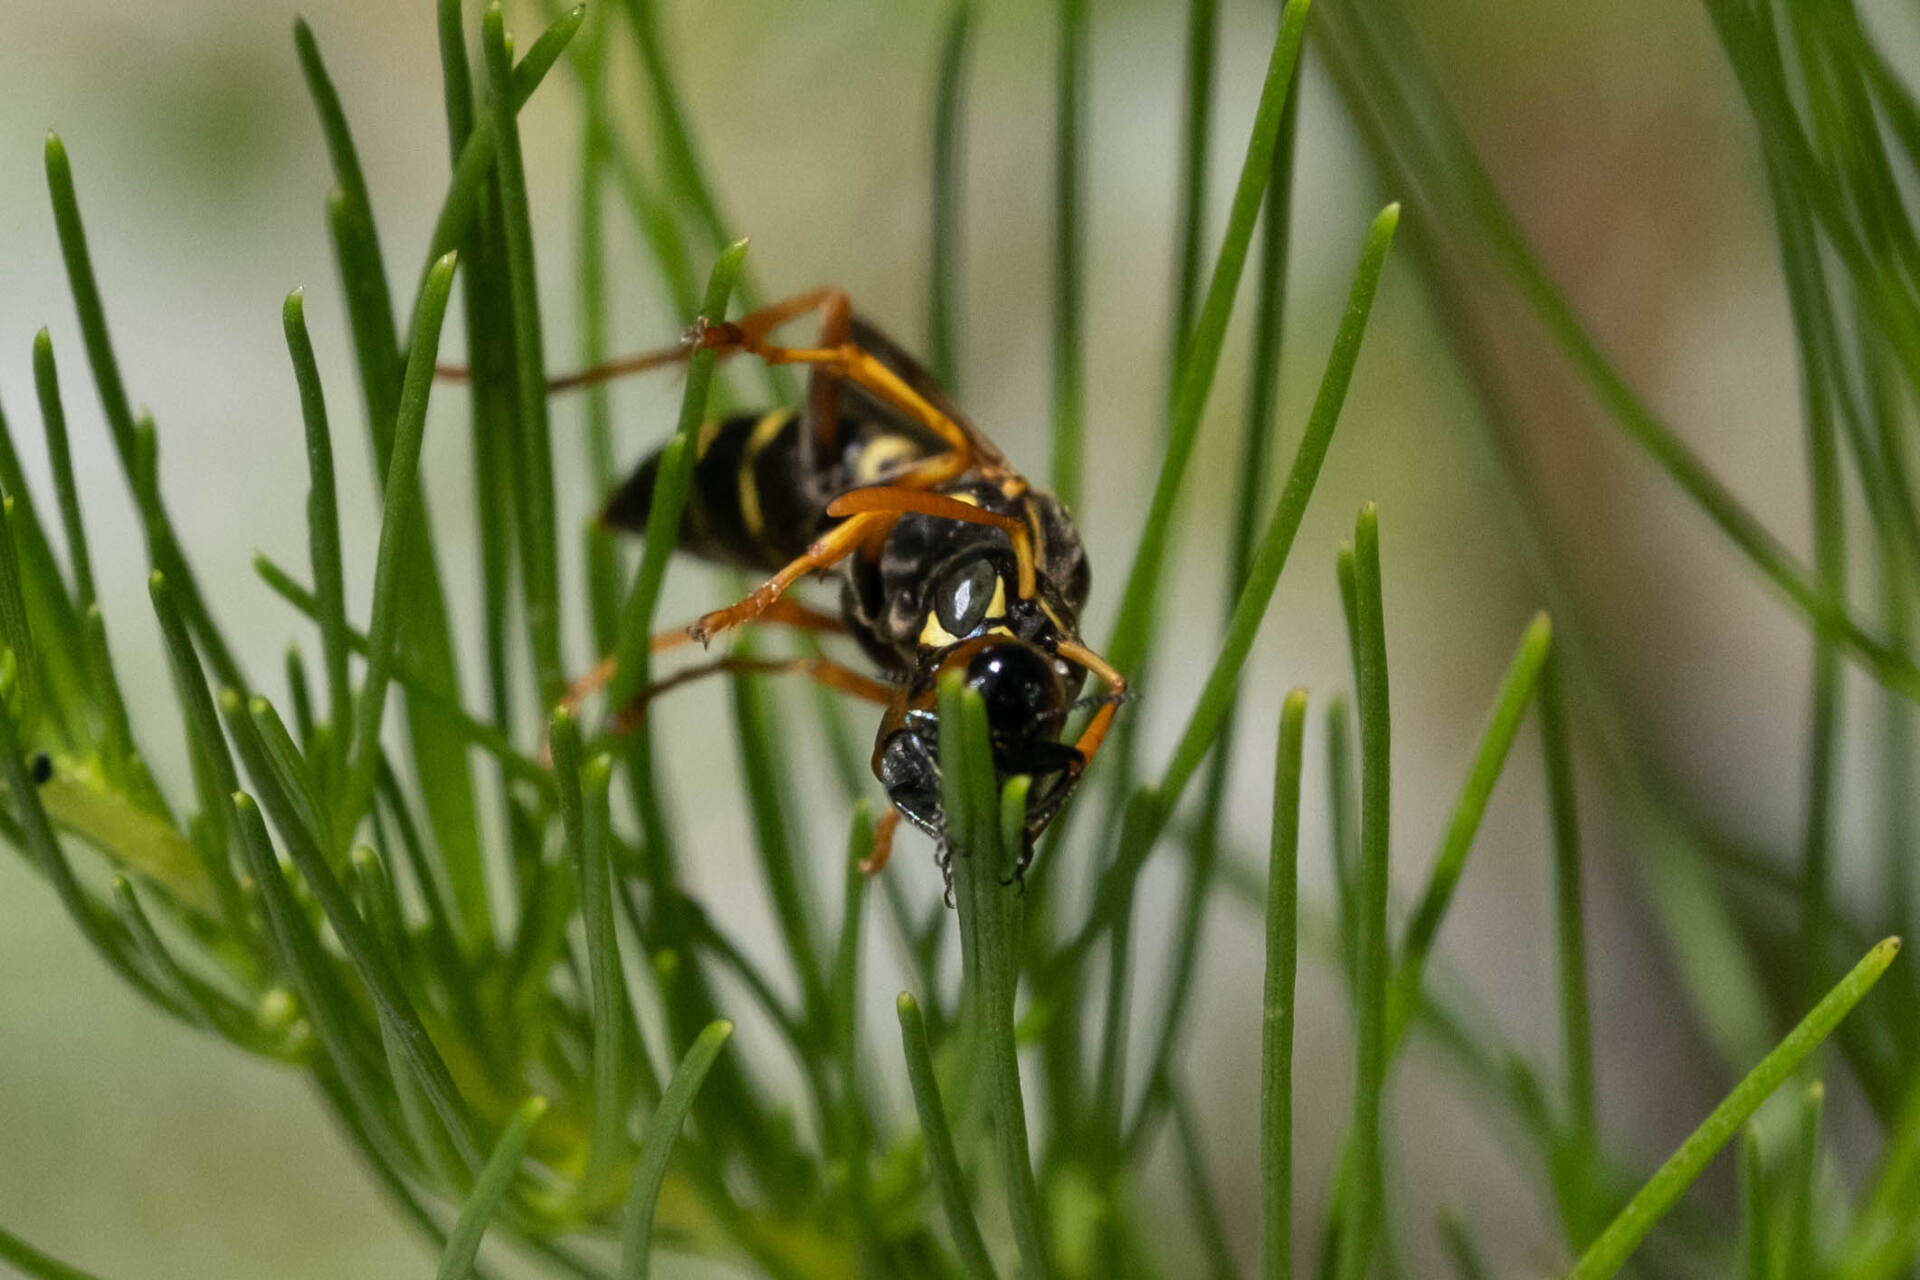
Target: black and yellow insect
{"type": "Point", "coordinates": [948, 557]}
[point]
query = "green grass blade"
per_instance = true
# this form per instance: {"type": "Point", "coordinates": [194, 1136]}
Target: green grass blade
{"type": "Point", "coordinates": [1800, 1244]}
{"type": "Point", "coordinates": [943, 249]}
{"type": "Point", "coordinates": [1137, 605]}
{"type": "Point", "coordinates": [401, 497]}
{"type": "Point", "coordinates": [990, 911]}
{"type": "Point", "coordinates": [1652, 1202]}
{"type": "Point", "coordinates": [843, 1000]}
{"type": "Point", "coordinates": [35, 1264]}
{"type": "Point", "coordinates": [1217, 695]}
{"type": "Point", "coordinates": [636, 1230]}
{"type": "Point", "coordinates": [1260, 427]}
{"type": "Point", "coordinates": [948, 1179]}
{"type": "Point", "coordinates": [1570, 943]}
{"type": "Point", "coordinates": [1489, 759]}
{"type": "Point", "coordinates": [1203, 1207]}
{"type": "Point", "coordinates": [587, 840]}
{"type": "Point", "coordinates": [53, 418]}
{"type": "Point", "coordinates": [1755, 1220]}
{"type": "Point", "coordinates": [1069, 241]}
{"type": "Point", "coordinates": [1196, 133]}
{"type": "Point", "coordinates": [323, 529]}
{"type": "Point", "coordinates": [1277, 1000]}
{"type": "Point", "coordinates": [163, 548]}
{"type": "Point", "coordinates": [1454, 1238]}
{"type": "Point", "coordinates": [489, 1190]}
{"type": "Point", "coordinates": [44, 594]}
{"type": "Point", "coordinates": [421, 688]}
{"type": "Point", "coordinates": [770, 805]}
{"type": "Point", "coordinates": [1362, 1222]}
{"type": "Point", "coordinates": [363, 951]}
{"type": "Point", "coordinates": [539, 539]}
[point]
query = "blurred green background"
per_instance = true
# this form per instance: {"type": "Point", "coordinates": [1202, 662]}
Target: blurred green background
{"type": "Point", "coordinates": [137, 1148]}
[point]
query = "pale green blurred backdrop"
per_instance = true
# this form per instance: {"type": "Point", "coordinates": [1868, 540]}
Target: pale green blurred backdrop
{"type": "Point", "coordinates": [134, 1147]}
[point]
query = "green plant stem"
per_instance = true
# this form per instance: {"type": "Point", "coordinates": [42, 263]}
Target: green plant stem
{"type": "Point", "coordinates": [1113, 893]}
{"type": "Point", "coordinates": [948, 1180]}
{"type": "Point", "coordinates": [53, 417]}
{"type": "Point", "coordinates": [163, 546]}
{"type": "Point", "coordinates": [1260, 428]}
{"type": "Point", "coordinates": [1652, 1202]}
{"type": "Point", "coordinates": [1196, 132]}
{"type": "Point", "coordinates": [1489, 759]}
{"type": "Point", "coordinates": [539, 543]}
{"type": "Point", "coordinates": [1067, 466]}
{"type": "Point", "coordinates": [1277, 1001]}
{"type": "Point", "coordinates": [34, 1263]}
{"type": "Point", "coordinates": [636, 1230]}
{"type": "Point", "coordinates": [401, 497]}
{"type": "Point", "coordinates": [1362, 1222]}
{"type": "Point", "coordinates": [990, 911]}
{"type": "Point", "coordinates": [1570, 944]}
{"type": "Point", "coordinates": [489, 1190]}
{"type": "Point", "coordinates": [947, 196]}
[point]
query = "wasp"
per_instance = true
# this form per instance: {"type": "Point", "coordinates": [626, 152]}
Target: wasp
{"type": "Point", "coordinates": [948, 558]}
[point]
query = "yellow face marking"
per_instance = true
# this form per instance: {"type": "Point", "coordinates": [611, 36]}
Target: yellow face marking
{"type": "Point", "coordinates": [881, 455]}
{"type": "Point", "coordinates": [765, 432]}
{"type": "Point", "coordinates": [935, 636]}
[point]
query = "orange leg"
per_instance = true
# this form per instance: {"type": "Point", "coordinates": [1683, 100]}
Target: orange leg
{"type": "Point", "coordinates": [876, 861]}
{"type": "Point", "coordinates": [820, 670]}
{"type": "Point", "coordinates": [893, 497]}
{"type": "Point", "coordinates": [783, 612]}
{"type": "Point", "coordinates": [1096, 731]}
{"type": "Point", "coordinates": [828, 550]}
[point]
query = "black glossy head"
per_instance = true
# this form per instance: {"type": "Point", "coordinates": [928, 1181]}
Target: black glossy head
{"type": "Point", "coordinates": [1028, 693]}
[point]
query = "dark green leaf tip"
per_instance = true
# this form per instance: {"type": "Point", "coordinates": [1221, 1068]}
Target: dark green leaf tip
{"type": "Point", "coordinates": [906, 1004]}
{"type": "Point", "coordinates": [229, 699]}
{"type": "Point", "coordinates": [42, 344]}
{"type": "Point", "coordinates": [293, 312]}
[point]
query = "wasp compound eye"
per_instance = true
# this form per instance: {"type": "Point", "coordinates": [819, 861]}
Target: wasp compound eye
{"type": "Point", "coordinates": [960, 600]}
{"type": "Point", "coordinates": [1022, 692]}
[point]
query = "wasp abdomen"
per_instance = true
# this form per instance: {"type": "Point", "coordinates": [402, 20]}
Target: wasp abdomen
{"type": "Point", "coordinates": [754, 503]}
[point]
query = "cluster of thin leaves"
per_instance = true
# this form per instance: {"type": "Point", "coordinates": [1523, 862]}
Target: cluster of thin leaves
{"type": "Point", "coordinates": [517, 1017]}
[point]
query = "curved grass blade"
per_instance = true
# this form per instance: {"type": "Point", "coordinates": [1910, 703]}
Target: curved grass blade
{"type": "Point", "coordinates": [1137, 605]}
{"type": "Point", "coordinates": [53, 418]}
{"type": "Point", "coordinates": [941, 1157]}
{"type": "Point", "coordinates": [1277, 1002]}
{"type": "Point", "coordinates": [533, 472]}
{"type": "Point", "coordinates": [990, 944]}
{"type": "Point", "coordinates": [636, 1231]}
{"type": "Point", "coordinates": [35, 1264]}
{"type": "Point", "coordinates": [1203, 726]}
{"type": "Point", "coordinates": [1362, 1221]}
{"type": "Point", "coordinates": [1069, 248]}
{"type": "Point", "coordinates": [1196, 132]}
{"type": "Point", "coordinates": [943, 258]}
{"type": "Point", "coordinates": [401, 498]}
{"type": "Point", "coordinates": [1652, 1202]}
{"type": "Point", "coordinates": [323, 530]}
{"type": "Point", "coordinates": [489, 1190]}
{"type": "Point", "coordinates": [1489, 759]}
{"type": "Point", "coordinates": [521, 767]}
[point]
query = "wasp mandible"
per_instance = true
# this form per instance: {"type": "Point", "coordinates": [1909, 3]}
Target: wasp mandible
{"type": "Point", "coordinates": [948, 557]}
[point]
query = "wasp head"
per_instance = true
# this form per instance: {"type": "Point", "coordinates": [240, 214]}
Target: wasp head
{"type": "Point", "coordinates": [1028, 693]}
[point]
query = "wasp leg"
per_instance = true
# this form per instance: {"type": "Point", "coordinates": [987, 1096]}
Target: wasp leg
{"type": "Point", "coordinates": [876, 861]}
{"type": "Point", "coordinates": [820, 670]}
{"type": "Point", "coordinates": [853, 362]}
{"type": "Point", "coordinates": [658, 358]}
{"type": "Point", "coordinates": [828, 550]}
{"type": "Point", "coordinates": [783, 612]}
{"type": "Point", "coordinates": [895, 498]}
{"type": "Point", "coordinates": [1096, 731]}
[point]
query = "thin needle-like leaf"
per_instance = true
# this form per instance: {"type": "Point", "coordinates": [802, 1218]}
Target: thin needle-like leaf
{"type": "Point", "coordinates": [1276, 1009]}
{"type": "Point", "coordinates": [943, 250]}
{"type": "Point", "coordinates": [941, 1157]}
{"type": "Point", "coordinates": [1661, 1192]}
{"type": "Point", "coordinates": [401, 497]}
{"type": "Point", "coordinates": [1069, 237]}
{"type": "Point", "coordinates": [1362, 1221]}
{"type": "Point", "coordinates": [636, 1231]}
{"type": "Point", "coordinates": [489, 1190]}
